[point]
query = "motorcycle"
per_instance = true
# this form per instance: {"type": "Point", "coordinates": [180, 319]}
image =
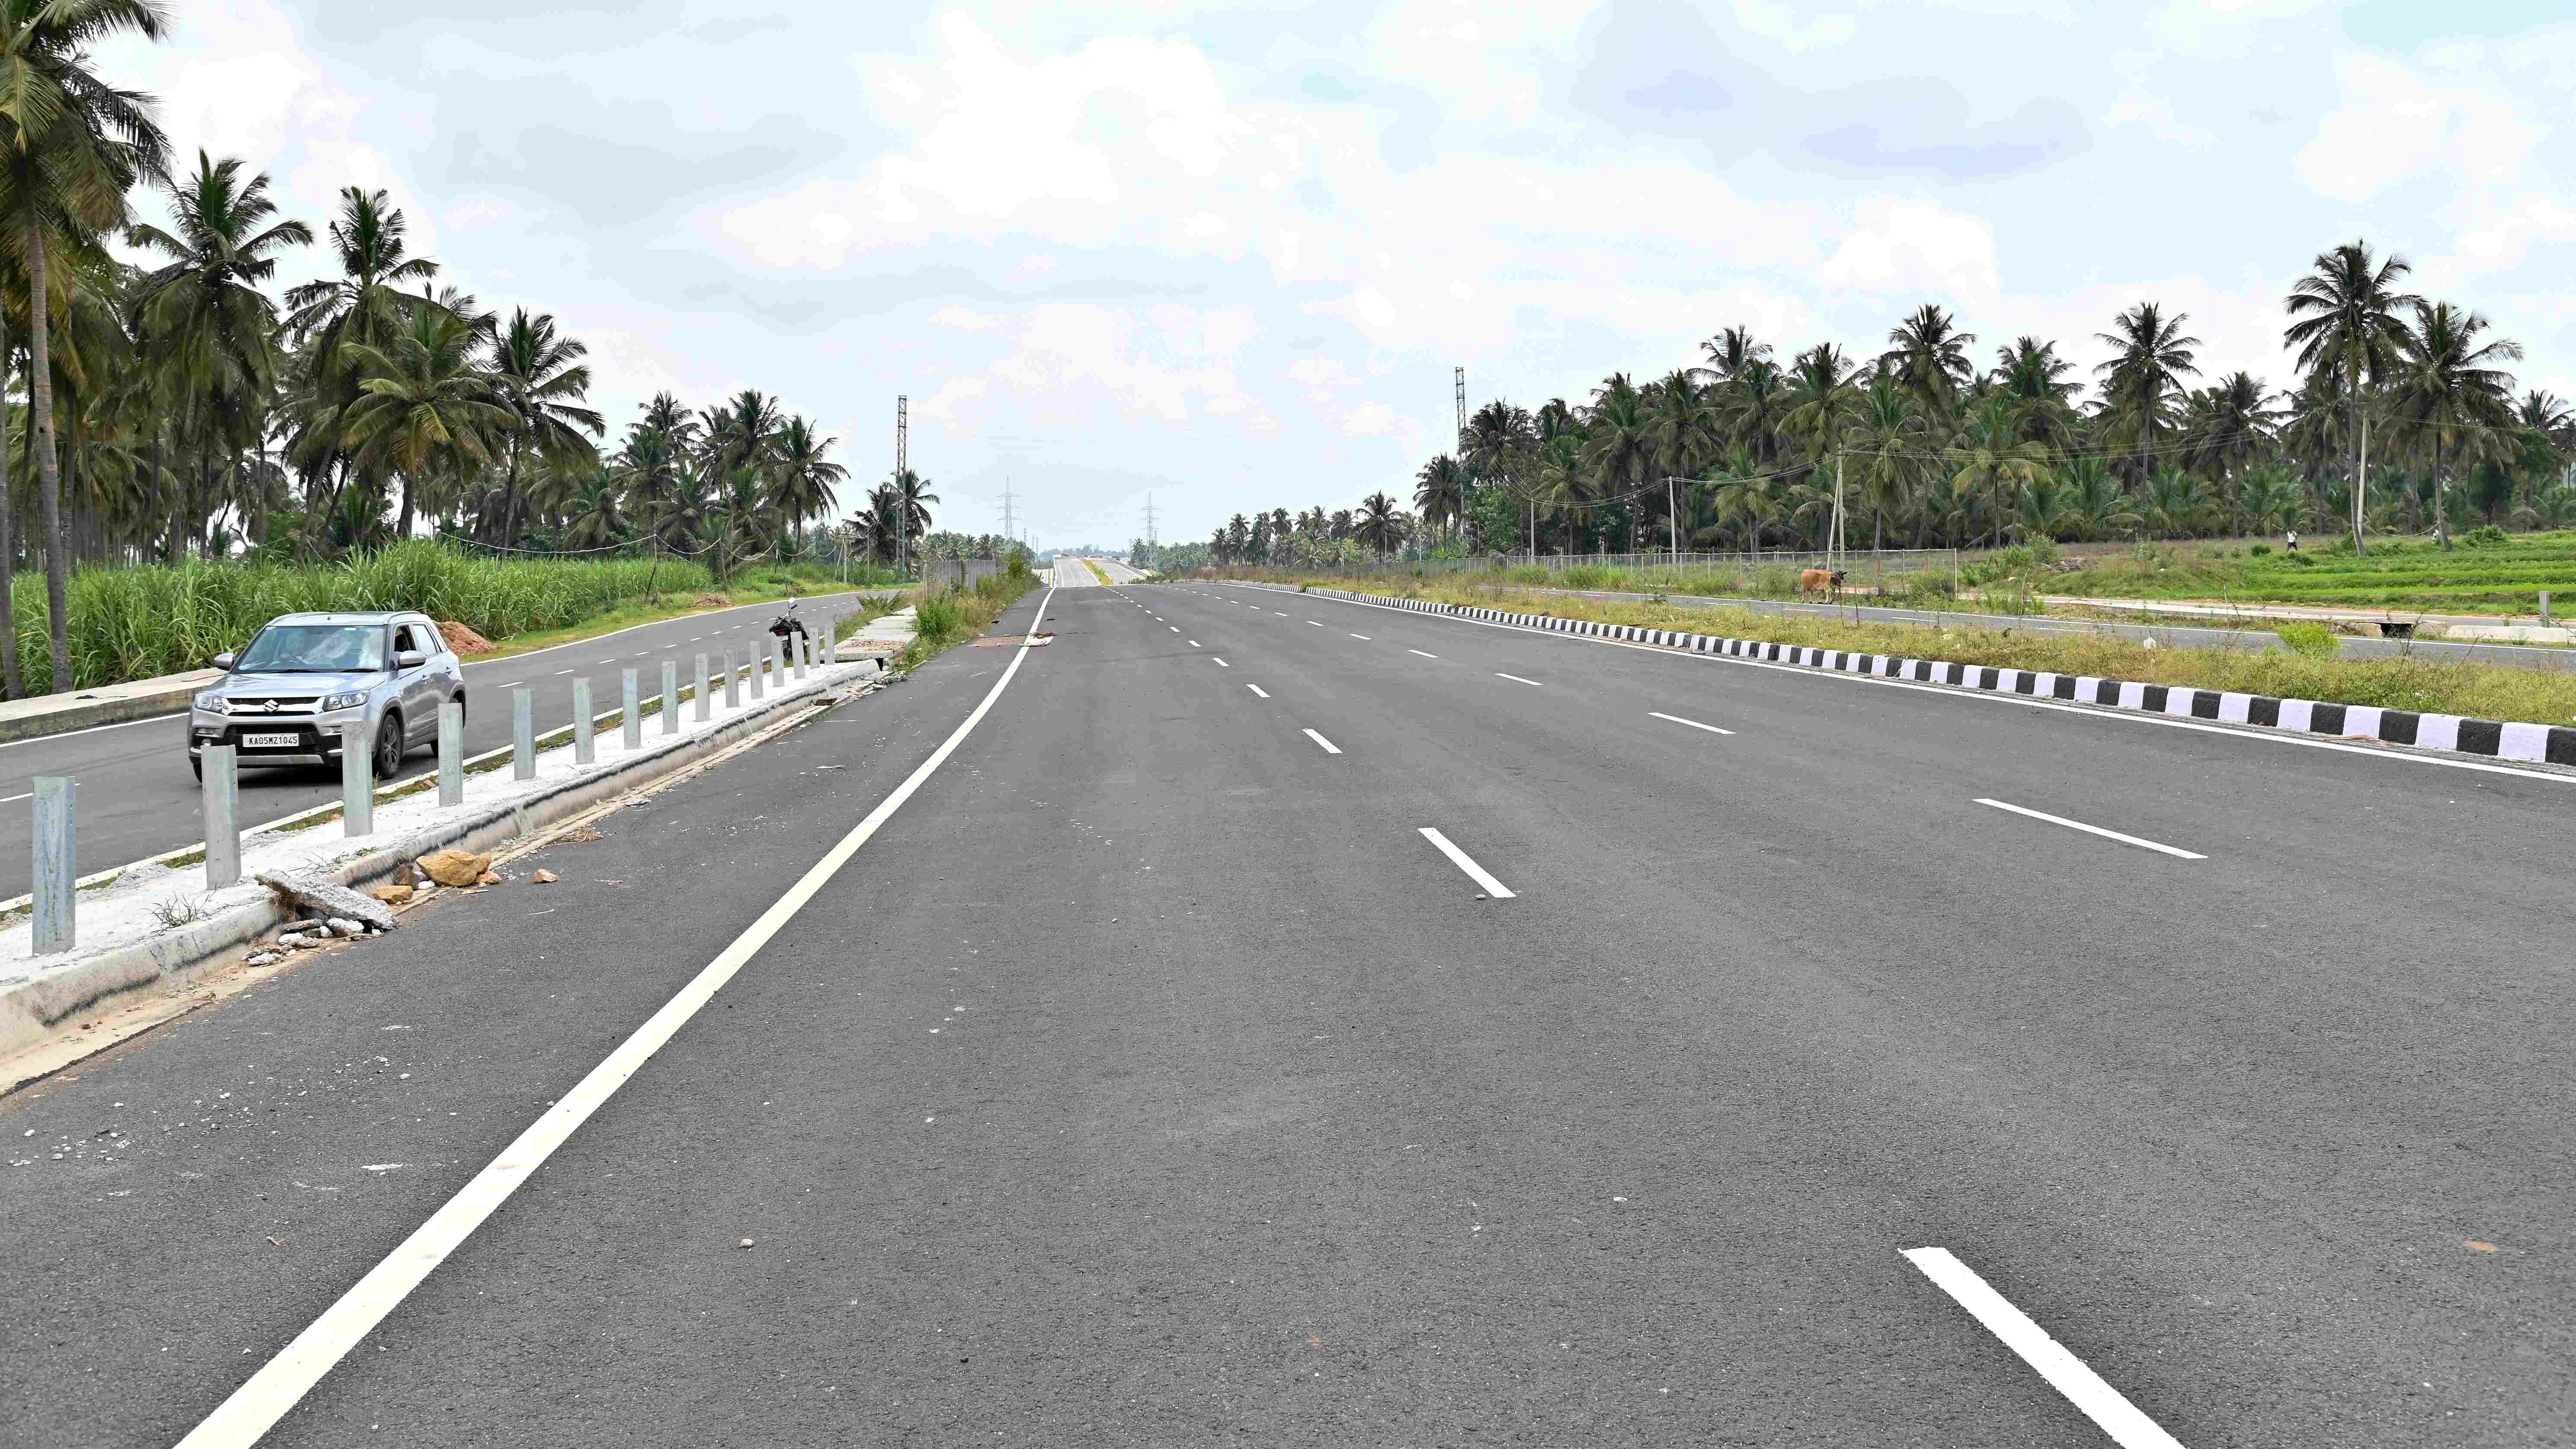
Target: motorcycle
{"type": "Point", "coordinates": [788, 624]}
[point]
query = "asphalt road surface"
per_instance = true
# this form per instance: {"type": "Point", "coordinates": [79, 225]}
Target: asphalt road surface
{"type": "Point", "coordinates": [137, 797]}
{"type": "Point", "coordinates": [1157, 1060]}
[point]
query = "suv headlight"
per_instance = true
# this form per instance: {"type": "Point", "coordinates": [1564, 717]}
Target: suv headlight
{"type": "Point", "coordinates": [342, 701]}
{"type": "Point", "coordinates": [213, 703]}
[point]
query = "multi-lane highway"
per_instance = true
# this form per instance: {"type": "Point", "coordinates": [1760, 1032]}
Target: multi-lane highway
{"type": "Point", "coordinates": [137, 796]}
{"type": "Point", "coordinates": [1262, 1017]}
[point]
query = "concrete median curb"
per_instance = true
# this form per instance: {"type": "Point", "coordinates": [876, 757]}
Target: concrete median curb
{"type": "Point", "coordinates": [2489, 739]}
{"type": "Point", "coordinates": [35, 1007]}
{"type": "Point", "coordinates": [54, 714]}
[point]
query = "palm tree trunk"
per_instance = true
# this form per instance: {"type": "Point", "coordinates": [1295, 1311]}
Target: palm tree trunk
{"type": "Point", "coordinates": [2441, 510]}
{"type": "Point", "coordinates": [13, 678]}
{"type": "Point", "coordinates": [49, 478]}
{"type": "Point", "coordinates": [402, 527]}
{"type": "Point", "coordinates": [2359, 427]}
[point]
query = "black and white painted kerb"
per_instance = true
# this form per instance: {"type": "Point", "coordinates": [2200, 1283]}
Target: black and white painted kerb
{"type": "Point", "coordinates": [2496, 739]}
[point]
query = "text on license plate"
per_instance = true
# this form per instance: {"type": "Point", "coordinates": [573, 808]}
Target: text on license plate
{"type": "Point", "coordinates": [285, 741]}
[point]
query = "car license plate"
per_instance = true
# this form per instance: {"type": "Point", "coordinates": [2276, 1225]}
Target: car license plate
{"type": "Point", "coordinates": [286, 741]}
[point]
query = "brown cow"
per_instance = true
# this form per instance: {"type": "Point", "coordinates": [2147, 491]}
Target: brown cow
{"type": "Point", "coordinates": [1821, 581]}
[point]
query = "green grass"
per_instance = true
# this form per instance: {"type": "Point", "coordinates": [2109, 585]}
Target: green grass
{"type": "Point", "coordinates": [140, 621]}
{"type": "Point", "coordinates": [2481, 691]}
{"type": "Point", "coordinates": [944, 618]}
{"type": "Point", "coordinates": [1098, 572]}
{"type": "Point", "coordinates": [2397, 574]}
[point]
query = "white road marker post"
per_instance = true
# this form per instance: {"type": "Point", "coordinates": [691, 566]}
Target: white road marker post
{"type": "Point", "coordinates": [585, 730]}
{"type": "Point", "coordinates": [630, 715]}
{"type": "Point", "coordinates": [57, 870]}
{"type": "Point", "coordinates": [451, 753]}
{"type": "Point", "coordinates": [758, 662]}
{"type": "Point", "coordinates": [523, 734]}
{"type": "Point", "coordinates": [223, 826]}
{"type": "Point", "coordinates": [357, 779]}
{"type": "Point", "coordinates": [733, 682]}
{"type": "Point", "coordinates": [704, 704]}
{"type": "Point", "coordinates": [670, 696]}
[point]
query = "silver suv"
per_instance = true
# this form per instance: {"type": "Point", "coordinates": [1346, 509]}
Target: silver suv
{"type": "Point", "coordinates": [303, 676]}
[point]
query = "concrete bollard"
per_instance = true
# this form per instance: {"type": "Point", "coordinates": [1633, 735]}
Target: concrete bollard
{"type": "Point", "coordinates": [2544, 606]}
{"type": "Point", "coordinates": [523, 734]}
{"type": "Point", "coordinates": [357, 781]}
{"type": "Point", "coordinates": [451, 753]}
{"type": "Point", "coordinates": [705, 705]}
{"type": "Point", "coordinates": [585, 730]}
{"type": "Point", "coordinates": [222, 793]}
{"type": "Point", "coordinates": [57, 871]}
{"type": "Point", "coordinates": [632, 715]}
{"type": "Point", "coordinates": [733, 683]}
{"type": "Point", "coordinates": [756, 663]}
{"type": "Point", "coordinates": [670, 697]}
{"type": "Point", "coordinates": [778, 663]}
{"type": "Point", "coordinates": [803, 649]}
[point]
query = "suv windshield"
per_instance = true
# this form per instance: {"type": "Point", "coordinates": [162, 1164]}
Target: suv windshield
{"type": "Point", "coordinates": [314, 649]}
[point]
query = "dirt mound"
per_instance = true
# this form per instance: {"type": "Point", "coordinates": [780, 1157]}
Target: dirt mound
{"type": "Point", "coordinates": [463, 640]}
{"type": "Point", "coordinates": [712, 601]}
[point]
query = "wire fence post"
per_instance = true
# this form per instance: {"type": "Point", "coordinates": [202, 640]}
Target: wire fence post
{"type": "Point", "coordinates": [585, 728]}
{"type": "Point", "coordinates": [223, 829]}
{"type": "Point", "coordinates": [628, 712]}
{"type": "Point", "coordinates": [670, 697]}
{"type": "Point", "coordinates": [523, 734]}
{"type": "Point", "coordinates": [57, 874]}
{"type": "Point", "coordinates": [451, 753]}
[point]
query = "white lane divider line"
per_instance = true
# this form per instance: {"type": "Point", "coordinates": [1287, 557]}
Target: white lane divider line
{"type": "Point", "coordinates": [512, 684]}
{"type": "Point", "coordinates": [1459, 858]}
{"type": "Point", "coordinates": [1220, 661]}
{"type": "Point", "coordinates": [1363, 638]}
{"type": "Point", "coordinates": [1329, 747]}
{"type": "Point", "coordinates": [9, 799]}
{"type": "Point", "coordinates": [1282, 613]}
{"type": "Point", "coordinates": [1175, 628]}
{"type": "Point", "coordinates": [2091, 829]}
{"type": "Point", "coordinates": [1516, 679]}
{"type": "Point", "coordinates": [1694, 724]}
{"type": "Point", "coordinates": [255, 1407]}
{"type": "Point", "coordinates": [1317, 623]}
{"type": "Point", "coordinates": [558, 673]}
{"type": "Point", "coordinates": [1196, 644]}
{"type": "Point", "coordinates": [1417, 651]}
{"type": "Point", "coordinates": [2066, 1373]}
{"type": "Point", "coordinates": [1257, 689]}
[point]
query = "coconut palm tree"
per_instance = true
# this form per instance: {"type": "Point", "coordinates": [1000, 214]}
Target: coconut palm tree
{"type": "Point", "coordinates": [1440, 492]}
{"type": "Point", "coordinates": [1381, 524]}
{"type": "Point", "coordinates": [1745, 494]}
{"type": "Point", "coordinates": [1619, 438]}
{"type": "Point", "coordinates": [537, 374]}
{"type": "Point", "coordinates": [2035, 376]}
{"type": "Point", "coordinates": [2150, 356]}
{"type": "Point", "coordinates": [2347, 328]}
{"type": "Point", "coordinates": [426, 408]}
{"type": "Point", "coordinates": [2095, 498]}
{"type": "Point", "coordinates": [598, 512]}
{"type": "Point", "coordinates": [2228, 427]}
{"type": "Point", "coordinates": [1730, 352]}
{"type": "Point", "coordinates": [2265, 495]}
{"type": "Point", "coordinates": [71, 147]}
{"type": "Point", "coordinates": [802, 480]}
{"type": "Point", "coordinates": [1683, 424]}
{"type": "Point", "coordinates": [1890, 458]}
{"type": "Point", "coordinates": [1992, 462]}
{"type": "Point", "coordinates": [1929, 355]}
{"type": "Point", "coordinates": [2450, 398]}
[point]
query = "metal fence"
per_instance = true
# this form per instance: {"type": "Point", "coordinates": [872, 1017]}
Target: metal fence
{"type": "Point", "coordinates": [941, 573]}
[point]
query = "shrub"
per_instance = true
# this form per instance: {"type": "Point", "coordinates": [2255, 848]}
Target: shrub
{"type": "Point", "coordinates": [2260, 549]}
{"type": "Point", "coordinates": [2314, 641]}
{"type": "Point", "coordinates": [2485, 535]}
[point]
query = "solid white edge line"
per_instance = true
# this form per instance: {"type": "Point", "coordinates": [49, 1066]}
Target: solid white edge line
{"type": "Point", "coordinates": [1694, 724]}
{"type": "Point", "coordinates": [254, 1408]}
{"type": "Point", "coordinates": [2089, 829]}
{"type": "Point", "coordinates": [2253, 733]}
{"type": "Point", "coordinates": [1329, 747]}
{"type": "Point", "coordinates": [2066, 1373]}
{"type": "Point", "coordinates": [1257, 689]}
{"type": "Point", "coordinates": [1516, 679]}
{"type": "Point", "coordinates": [1458, 858]}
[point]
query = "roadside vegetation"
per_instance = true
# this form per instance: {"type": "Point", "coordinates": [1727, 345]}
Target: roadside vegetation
{"type": "Point", "coordinates": [2308, 671]}
{"type": "Point", "coordinates": [1935, 439]}
{"type": "Point", "coordinates": [1098, 572]}
{"type": "Point", "coordinates": [148, 620]}
{"type": "Point", "coordinates": [945, 618]}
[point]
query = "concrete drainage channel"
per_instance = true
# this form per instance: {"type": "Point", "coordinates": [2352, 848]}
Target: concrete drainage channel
{"type": "Point", "coordinates": [53, 998]}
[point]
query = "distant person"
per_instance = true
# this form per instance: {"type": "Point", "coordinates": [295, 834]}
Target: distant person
{"type": "Point", "coordinates": [2294, 540]}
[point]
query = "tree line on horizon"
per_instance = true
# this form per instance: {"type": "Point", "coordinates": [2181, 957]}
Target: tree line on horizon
{"type": "Point", "coordinates": [176, 408]}
{"type": "Point", "coordinates": [2407, 396]}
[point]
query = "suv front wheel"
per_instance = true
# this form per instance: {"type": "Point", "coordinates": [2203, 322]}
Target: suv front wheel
{"type": "Point", "coordinates": [389, 745]}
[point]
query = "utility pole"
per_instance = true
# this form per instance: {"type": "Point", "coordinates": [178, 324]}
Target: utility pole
{"type": "Point", "coordinates": [1007, 532]}
{"type": "Point", "coordinates": [902, 465]}
{"type": "Point", "coordinates": [1460, 381]}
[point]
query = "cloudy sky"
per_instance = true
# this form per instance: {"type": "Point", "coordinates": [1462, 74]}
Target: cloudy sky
{"type": "Point", "coordinates": [1228, 253]}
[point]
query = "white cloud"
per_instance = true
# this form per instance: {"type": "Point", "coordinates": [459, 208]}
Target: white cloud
{"type": "Point", "coordinates": [2397, 123]}
{"type": "Point", "coordinates": [1914, 246]}
{"type": "Point", "coordinates": [1775, 20]}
